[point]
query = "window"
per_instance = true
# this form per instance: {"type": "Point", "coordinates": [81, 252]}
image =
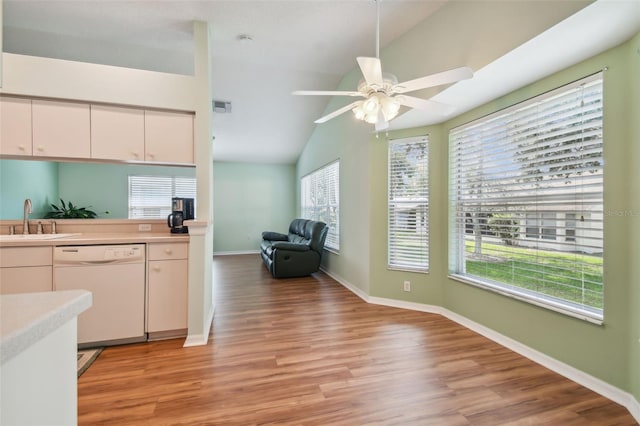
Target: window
{"type": "Point", "coordinates": [408, 204]}
{"type": "Point", "coordinates": [320, 200]}
{"type": "Point", "coordinates": [541, 225]}
{"type": "Point", "coordinates": [150, 196]}
{"type": "Point", "coordinates": [526, 196]}
{"type": "Point", "coordinates": [570, 227]}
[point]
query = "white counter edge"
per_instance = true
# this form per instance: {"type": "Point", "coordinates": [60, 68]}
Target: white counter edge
{"type": "Point", "coordinates": [27, 318]}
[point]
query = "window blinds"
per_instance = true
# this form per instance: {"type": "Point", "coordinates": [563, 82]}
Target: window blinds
{"type": "Point", "coordinates": [150, 196]}
{"type": "Point", "coordinates": [320, 199]}
{"type": "Point", "coordinates": [408, 207]}
{"type": "Point", "coordinates": [526, 200]}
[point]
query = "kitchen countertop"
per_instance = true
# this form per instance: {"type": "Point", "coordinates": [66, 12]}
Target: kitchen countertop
{"type": "Point", "coordinates": [27, 318]}
{"type": "Point", "coordinates": [102, 238]}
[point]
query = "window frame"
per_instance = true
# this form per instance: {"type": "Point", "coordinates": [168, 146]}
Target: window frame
{"type": "Point", "coordinates": [557, 163]}
{"type": "Point", "coordinates": [399, 255]}
{"type": "Point", "coordinates": [328, 212]}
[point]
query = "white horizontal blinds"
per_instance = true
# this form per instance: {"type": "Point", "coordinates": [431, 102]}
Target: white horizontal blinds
{"type": "Point", "coordinates": [526, 198]}
{"type": "Point", "coordinates": [408, 214]}
{"type": "Point", "coordinates": [332, 217]}
{"type": "Point", "coordinates": [150, 196]}
{"type": "Point", "coordinates": [320, 198]}
{"type": "Point", "coordinates": [184, 187]}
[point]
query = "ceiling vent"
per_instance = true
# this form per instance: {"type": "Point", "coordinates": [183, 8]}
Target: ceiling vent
{"type": "Point", "coordinates": [221, 107]}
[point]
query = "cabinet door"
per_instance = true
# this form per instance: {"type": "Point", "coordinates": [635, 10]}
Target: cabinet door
{"type": "Point", "coordinates": [168, 295]}
{"type": "Point", "coordinates": [168, 137]}
{"type": "Point", "coordinates": [15, 126]}
{"type": "Point", "coordinates": [30, 279]}
{"type": "Point", "coordinates": [61, 129]}
{"type": "Point", "coordinates": [117, 133]}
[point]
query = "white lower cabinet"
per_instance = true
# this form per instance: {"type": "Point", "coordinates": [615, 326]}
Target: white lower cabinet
{"type": "Point", "coordinates": [25, 270]}
{"type": "Point", "coordinates": [167, 289]}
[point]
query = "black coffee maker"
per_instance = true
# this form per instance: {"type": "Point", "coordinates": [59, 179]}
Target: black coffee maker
{"type": "Point", "coordinates": [181, 210]}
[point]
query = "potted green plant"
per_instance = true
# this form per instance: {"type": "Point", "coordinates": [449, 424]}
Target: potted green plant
{"type": "Point", "coordinates": [69, 211]}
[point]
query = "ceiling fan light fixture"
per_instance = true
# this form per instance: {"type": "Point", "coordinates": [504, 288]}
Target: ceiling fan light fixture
{"type": "Point", "coordinates": [371, 105]}
{"type": "Point", "coordinates": [358, 111]}
{"type": "Point", "coordinates": [390, 107]}
{"type": "Point", "coordinates": [371, 118]}
{"type": "Point", "coordinates": [378, 106]}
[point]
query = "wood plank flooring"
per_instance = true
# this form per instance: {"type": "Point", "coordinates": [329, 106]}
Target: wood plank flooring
{"type": "Point", "coordinates": [309, 352]}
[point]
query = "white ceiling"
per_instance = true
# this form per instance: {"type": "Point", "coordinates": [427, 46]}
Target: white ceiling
{"type": "Point", "coordinates": [297, 44]}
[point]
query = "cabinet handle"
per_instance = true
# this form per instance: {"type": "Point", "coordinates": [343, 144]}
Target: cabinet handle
{"type": "Point", "coordinates": [151, 156]}
{"type": "Point", "coordinates": [40, 148]}
{"type": "Point", "coordinates": [135, 154]}
{"type": "Point", "coordinates": [156, 269]}
{"type": "Point", "coordinates": [21, 147]}
{"type": "Point", "coordinates": [168, 251]}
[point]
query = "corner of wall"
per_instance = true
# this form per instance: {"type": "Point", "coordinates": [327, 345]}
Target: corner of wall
{"type": "Point", "coordinates": [634, 188]}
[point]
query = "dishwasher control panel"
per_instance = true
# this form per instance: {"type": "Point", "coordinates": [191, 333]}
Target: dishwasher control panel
{"type": "Point", "coordinates": [99, 254]}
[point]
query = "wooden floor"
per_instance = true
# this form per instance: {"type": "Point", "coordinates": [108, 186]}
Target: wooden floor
{"type": "Point", "coordinates": [309, 352]}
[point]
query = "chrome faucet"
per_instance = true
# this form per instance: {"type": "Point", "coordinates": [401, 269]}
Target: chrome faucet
{"type": "Point", "coordinates": [27, 211]}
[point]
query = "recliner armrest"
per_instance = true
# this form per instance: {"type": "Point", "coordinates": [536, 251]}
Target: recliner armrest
{"type": "Point", "coordinates": [290, 246]}
{"type": "Point", "coordinates": [274, 236]}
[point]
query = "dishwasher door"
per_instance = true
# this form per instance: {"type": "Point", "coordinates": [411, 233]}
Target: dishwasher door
{"type": "Point", "coordinates": [115, 275]}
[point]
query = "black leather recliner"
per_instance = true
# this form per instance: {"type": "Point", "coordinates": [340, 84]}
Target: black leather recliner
{"type": "Point", "coordinates": [296, 254]}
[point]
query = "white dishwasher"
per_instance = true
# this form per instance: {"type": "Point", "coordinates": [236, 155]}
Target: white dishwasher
{"type": "Point", "coordinates": [115, 274]}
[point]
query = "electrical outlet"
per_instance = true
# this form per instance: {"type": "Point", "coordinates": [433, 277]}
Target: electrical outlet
{"type": "Point", "coordinates": [407, 286]}
{"type": "Point", "coordinates": [144, 227]}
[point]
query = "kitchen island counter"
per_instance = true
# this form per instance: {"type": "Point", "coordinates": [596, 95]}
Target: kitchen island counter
{"type": "Point", "coordinates": [38, 349]}
{"type": "Point", "coordinates": [27, 318]}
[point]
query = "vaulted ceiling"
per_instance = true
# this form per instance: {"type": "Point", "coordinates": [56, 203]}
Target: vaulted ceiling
{"type": "Point", "coordinates": [299, 44]}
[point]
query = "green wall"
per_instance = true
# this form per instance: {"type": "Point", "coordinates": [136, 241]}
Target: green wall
{"type": "Point", "coordinates": [347, 140]}
{"type": "Point", "coordinates": [609, 352]}
{"type": "Point", "coordinates": [633, 114]}
{"type": "Point", "coordinates": [104, 187]}
{"type": "Point", "coordinates": [37, 180]}
{"type": "Point", "coordinates": [249, 199]}
{"type": "Point", "coordinates": [602, 351]}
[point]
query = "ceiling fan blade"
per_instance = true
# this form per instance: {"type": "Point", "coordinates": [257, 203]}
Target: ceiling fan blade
{"type": "Point", "coordinates": [433, 80]}
{"type": "Point", "coordinates": [326, 93]}
{"type": "Point", "coordinates": [337, 112]}
{"type": "Point", "coordinates": [425, 104]}
{"type": "Point", "coordinates": [371, 70]}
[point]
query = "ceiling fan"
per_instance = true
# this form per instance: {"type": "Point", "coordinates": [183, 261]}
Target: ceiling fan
{"type": "Point", "coordinates": [383, 95]}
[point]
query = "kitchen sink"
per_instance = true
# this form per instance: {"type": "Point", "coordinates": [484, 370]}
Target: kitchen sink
{"type": "Point", "coordinates": [34, 237]}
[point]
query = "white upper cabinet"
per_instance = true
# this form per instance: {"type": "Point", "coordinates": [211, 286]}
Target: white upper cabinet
{"type": "Point", "coordinates": [61, 129]}
{"type": "Point", "coordinates": [41, 128]}
{"type": "Point", "coordinates": [117, 133]}
{"type": "Point", "coordinates": [15, 126]}
{"type": "Point", "coordinates": [168, 137]}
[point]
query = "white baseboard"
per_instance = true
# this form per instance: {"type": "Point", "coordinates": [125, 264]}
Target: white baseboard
{"type": "Point", "coordinates": [201, 339]}
{"type": "Point", "coordinates": [597, 385]}
{"type": "Point", "coordinates": [634, 408]}
{"type": "Point", "coordinates": [231, 253]}
{"type": "Point", "coordinates": [353, 289]}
